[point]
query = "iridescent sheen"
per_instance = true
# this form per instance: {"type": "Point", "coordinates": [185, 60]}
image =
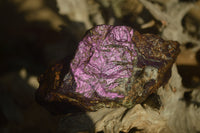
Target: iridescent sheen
{"type": "Point", "coordinates": [104, 57]}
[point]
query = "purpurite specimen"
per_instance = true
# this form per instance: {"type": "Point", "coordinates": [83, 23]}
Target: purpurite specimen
{"type": "Point", "coordinates": [113, 66]}
{"type": "Point", "coordinates": [104, 62]}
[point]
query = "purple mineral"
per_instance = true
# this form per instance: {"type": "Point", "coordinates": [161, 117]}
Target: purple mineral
{"type": "Point", "coordinates": [104, 61]}
{"type": "Point", "coordinates": [113, 66]}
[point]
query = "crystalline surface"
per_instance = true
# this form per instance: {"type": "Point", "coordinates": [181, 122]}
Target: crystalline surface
{"type": "Point", "coordinates": [113, 66]}
{"type": "Point", "coordinates": [104, 57]}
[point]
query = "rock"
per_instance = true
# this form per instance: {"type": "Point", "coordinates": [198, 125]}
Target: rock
{"type": "Point", "coordinates": [114, 66]}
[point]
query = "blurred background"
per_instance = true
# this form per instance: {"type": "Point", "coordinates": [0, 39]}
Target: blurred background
{"type": "Point", "coordinates": [35, 34]}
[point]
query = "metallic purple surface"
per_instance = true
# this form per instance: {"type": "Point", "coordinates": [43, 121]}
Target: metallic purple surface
{"type": "Point", "coordinates": [103, 61]}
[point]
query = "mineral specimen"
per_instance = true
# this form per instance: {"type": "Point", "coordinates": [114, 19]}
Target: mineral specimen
{"type": "Point", "coordinates": [104, 61]}
{"type": "Point", "coordinates": [114, 66]}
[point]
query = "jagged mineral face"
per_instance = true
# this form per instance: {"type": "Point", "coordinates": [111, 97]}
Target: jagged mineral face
{"type": "Point", "coordinates": [114, 66]}
{"type": "Point", "coordinates": [103, 62]}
